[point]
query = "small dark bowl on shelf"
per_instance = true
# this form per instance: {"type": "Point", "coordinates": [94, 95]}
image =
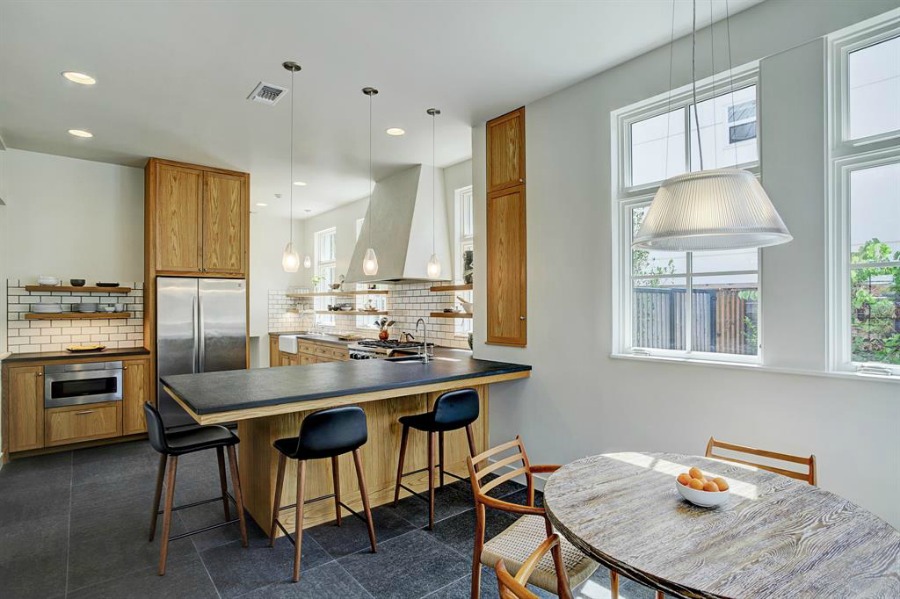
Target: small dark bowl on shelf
{"type": "Point", "coordinates": [77, 282]}
{"type": "Point", "coordinates": [107, 284]}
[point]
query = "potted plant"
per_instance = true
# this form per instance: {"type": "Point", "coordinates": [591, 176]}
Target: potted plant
{"type": "Point", "coordinates": [383, 325]}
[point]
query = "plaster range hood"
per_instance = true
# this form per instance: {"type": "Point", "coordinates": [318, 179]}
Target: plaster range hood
{"type": "Point", "coordinates": [401, 210]}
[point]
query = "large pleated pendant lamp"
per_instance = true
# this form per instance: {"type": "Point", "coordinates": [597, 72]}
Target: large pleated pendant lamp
{"type": "Point", "coordinates": [290, 259]}
{"type": "Point", "coordinates": [716, 209]}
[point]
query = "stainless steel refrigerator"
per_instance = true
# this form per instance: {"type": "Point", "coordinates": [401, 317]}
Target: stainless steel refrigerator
{"type": "Point", "coordinates": [201, 326]}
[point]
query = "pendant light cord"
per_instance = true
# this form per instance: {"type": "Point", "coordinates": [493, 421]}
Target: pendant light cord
{"type": "Point", "coordinates": [292, 160]}
{"type": "Point", "coordinates": [669, 98]}
{"type": "Point", "coordinates": [730, 75]}
{"type": "Point", "coordinates": [433, 181]}
{"type": "Point", "coordinates": [694, 82]}
{"type": "Point", "coordinates": [371, 181]}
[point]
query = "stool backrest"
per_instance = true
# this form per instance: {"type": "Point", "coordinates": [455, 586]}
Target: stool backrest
{"type": "Point", "coordinates": [457, 408]}
{"type": "Point", "coordinates": [333, 430]}
{"type": "Point", "coordinates": [156, 430]}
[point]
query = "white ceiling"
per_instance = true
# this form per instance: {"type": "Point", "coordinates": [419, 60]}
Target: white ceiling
{"type": "Point", "coordinates": [173, 77]}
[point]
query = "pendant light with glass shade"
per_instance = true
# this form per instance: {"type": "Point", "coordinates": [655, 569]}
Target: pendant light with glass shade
{"type": "Point", "coordinates": [716, 209]}
{"type": "Point", "coordinates": [434, 265]}
{"type": "Point", "coordinates": [370, 260]}
{"type": "Point", "coordinates": [290, 259]}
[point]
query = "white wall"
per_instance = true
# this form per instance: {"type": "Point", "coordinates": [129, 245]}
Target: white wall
{"type": "Point", "coordinates": [595, 403]}
{"type": "Point", "coordinates": [73, 218]}
{"type": "Point", "coordinates": [268, 236]}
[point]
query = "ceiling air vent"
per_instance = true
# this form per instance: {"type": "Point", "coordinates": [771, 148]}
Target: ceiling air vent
{"type": "Point", "coordinates": [266, 93]}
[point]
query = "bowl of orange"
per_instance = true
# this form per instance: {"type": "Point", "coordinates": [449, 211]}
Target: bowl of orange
{"type": "Point", "coordinates": [702, 490]}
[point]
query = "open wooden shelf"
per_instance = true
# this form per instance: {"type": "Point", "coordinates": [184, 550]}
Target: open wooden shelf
{"type": "Point", "coordinates": [84, 289]}
{"type": "Point", "coordinates": [438, 288]}
{"type": "Point", "coordinates": [341, 293]}
{"type": "Point", "coordinates": [354, 312]}
{"type": "Point", "coordinates": [451, 315]}
{"type": "Point", "coordinates": [77, 315]}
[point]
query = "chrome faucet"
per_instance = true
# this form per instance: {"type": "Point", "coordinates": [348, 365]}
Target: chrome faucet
{"type": "Point", "coordinates": [424, 339]}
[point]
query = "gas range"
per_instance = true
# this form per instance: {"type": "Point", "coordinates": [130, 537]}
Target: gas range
{"type": "Point", "coordinates": [369, 349]}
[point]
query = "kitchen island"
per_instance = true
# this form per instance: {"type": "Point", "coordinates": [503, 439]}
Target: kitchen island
{"type": "Point", "coordinates": [270, 404]}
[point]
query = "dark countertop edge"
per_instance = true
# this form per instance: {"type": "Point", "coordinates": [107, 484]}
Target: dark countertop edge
{"type": "Point", "coordinates": [327, 339]}
{"type": "Point", "coordinates": [53, 356]}
{"type": "Point", "coordinates": [508, 368]}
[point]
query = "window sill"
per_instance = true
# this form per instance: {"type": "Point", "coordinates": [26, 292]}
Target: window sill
{"type": "Point", "coordinates": [855, 376]}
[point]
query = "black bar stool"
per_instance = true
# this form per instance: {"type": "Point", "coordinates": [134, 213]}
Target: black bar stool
{"type": "Point", "coordinates": [452, 411]}
{"type": "Point", "coordinates": [172, 444]}
{"type": "Point", "coordinates": [324, 434]}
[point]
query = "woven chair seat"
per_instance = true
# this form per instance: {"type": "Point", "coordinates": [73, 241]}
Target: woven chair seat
{"type": "Point", "coordinates": [521, 538]}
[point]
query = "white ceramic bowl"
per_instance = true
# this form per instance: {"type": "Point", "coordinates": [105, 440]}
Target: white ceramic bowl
{"type": "Point", "coordinates": [702, 498]}
{"type": "Point", "coordinates": [45, 280]}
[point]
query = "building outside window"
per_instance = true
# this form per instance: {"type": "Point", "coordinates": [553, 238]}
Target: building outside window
{"type": "Point", "coordinates": [864, 216]}
{"type": "Point", "coordinates": [325, 267]}
{"type": "Point", "coordinates": [698, 305]}
{"type": "Point", "coordinates": [465, 227]}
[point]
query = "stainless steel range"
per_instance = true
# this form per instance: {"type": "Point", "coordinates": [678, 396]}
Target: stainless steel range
{"type": "Point", "coordinates": [371, 349]}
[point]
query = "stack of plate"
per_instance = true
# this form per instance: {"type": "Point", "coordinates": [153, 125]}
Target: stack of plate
{"type": "Point", "coordinates": [85, 308]}
{"type": "Point", "coordinates": [46, 308]}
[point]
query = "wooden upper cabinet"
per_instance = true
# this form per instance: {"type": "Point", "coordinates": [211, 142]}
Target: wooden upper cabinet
{"type": "Point", "coordinates": [25, 398]}
{"type": "Point", "coordinates": [506, 151]}
{"type": "Point", "coordinates": [506, 275]}
{"type": "Point", "coordinates": [198, 220]}
{"type": "Point", "coordinates": [507, 290]}
{"type": "Point", "coordinates": [179, 194]}
{"type": "Point", "coordinates": [225, 213]}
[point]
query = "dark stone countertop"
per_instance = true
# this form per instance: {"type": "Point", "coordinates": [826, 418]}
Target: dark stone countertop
{"type": "Point", "coordinates": [216, 392]}
{"type": "Point", "coordinates": [52, 356]}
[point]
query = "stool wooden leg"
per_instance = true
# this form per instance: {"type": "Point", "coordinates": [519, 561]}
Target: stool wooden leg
{"type": "Point", "coordinates": [336, 475]}
{"type": "Point", "coordinates": [441, 455]}
{"type": "Point", "coordinates": [470, 437]}
{"type": "Point", "coordinates": [160, 475]}
{"type": "Point", "coordinates": [167, 514]}
{"type": "Point", "coordinates": [613, 584]}
{"type": "Point", "coordinates": [298, 526]}
{"type": "Point", "coordinates": [223, 481]}
{"type": "Point", "coordinates": [238, 494]}
{"type": "Point", "coordinates": [430, 481]}
{"type": "Point", "coordinates": [279, 483]}
{"type": "Point", "coordinates": [403, 439]}
{"type": "Point", "coordinates": [364, 494]}
{"type": "Point", "coordinates": [660, 595]}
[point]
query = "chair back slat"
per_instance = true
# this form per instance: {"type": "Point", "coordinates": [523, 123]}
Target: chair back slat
{"type": "Point", "coordinates": [507, 476]}
{"type": "Point", "coordinates": [491, 468]}
{"type": "Point", "coordinates": [809, 475]}
{"type": "Point", "coordinates": [484, 455]}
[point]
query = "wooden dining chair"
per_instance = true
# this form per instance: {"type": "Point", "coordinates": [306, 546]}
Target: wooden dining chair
{"type": "Point", "coordinates": [555, 573]}
{"type": "Point", "coordinates": [808, 474]}
{"type": "Point", "coordinates": [513, 587]}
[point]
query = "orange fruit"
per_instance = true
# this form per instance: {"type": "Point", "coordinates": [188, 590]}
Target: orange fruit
{"type": "Point", "coordinates": [711, 487]}
{"type": "Point", "coordinates": [696, 473]}
{"type": "Point", "coordinates": [721, 483]}
{"type": "Point", "coordinates": [696, 484]}
{"type": "Point", "coordinates": [684, 478]}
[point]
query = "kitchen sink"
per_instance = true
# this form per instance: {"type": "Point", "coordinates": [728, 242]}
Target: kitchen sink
{"type": "Point", "coordinates": [419, 359]}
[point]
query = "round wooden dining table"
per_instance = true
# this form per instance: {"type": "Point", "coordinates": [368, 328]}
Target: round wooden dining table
{"type": "Point", "coordinates": [775, 537]}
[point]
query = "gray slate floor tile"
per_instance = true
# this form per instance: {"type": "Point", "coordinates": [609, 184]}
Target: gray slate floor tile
{"type": "Point", "coordinates": [448, 501]}
{"type": "Point", "coordinates": [236, 570]}
{"type": "Point", "coordinates": [459, 531]}
{"type": "Point", "coordinates": [406, 567]}
{"type": "Point", "coordinates": [353, 536]}
{"type": "Point", "coordinates": [328, 581]}
{"type": "Point", "coordinates": [185, 577]}
{"type": "Point", "coordinates": [33, 557]}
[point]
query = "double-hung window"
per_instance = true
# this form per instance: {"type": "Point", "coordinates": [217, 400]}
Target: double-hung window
{"type": "Point", "coordinates": [864, 215]}
{"type": "Point", "coordinates": [326, 265]}
{"type": "Point", "coordinates": [698, 305]}
{"type": "Point", "coordinates": [465, 227]}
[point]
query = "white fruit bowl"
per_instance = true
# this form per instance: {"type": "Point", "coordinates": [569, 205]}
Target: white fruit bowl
{"type": "Point", "coordinates": [702, 498]}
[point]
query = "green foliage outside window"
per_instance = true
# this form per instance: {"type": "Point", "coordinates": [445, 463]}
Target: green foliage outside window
{"type": "Point", "coordinates": [875, 301]}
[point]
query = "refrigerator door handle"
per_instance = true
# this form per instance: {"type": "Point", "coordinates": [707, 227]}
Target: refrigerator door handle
{"type": "Point", "coordinates": [195, 352]}
{"type": "Point", "coordinates": [202, 336]}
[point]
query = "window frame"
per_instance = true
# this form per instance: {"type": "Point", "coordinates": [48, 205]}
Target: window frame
{"type": "Point", "coordinates": [626, 197]}
{"type": "Point", "coordinates": [846, 155]}
{"type": "Point", "coordinates": [463, 326]}
{"type": "Point", "coordinates": [324, 319]}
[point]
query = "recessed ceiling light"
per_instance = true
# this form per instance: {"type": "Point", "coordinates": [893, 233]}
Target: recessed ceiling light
{"type": "Point", "coordinates": [395, 131]}
{"type": "Point", "coordinates": [300, 183]}
{"type": "Point", "coordinates": [261, 204]}
{"type": "Point", "coordinates": [79, 78]}
{"type": "Point", "coordinates": [80, 133]}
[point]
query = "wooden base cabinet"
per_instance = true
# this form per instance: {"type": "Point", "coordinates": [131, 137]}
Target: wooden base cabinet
{"type": "Point", "coordinates": [135, 392]}
{"type": "Point", "coordinates": [74, 424]}
{"type": "Point", "coordinates": [25, 413]}
{"type": "Point", "coordinates": [309, 352]}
